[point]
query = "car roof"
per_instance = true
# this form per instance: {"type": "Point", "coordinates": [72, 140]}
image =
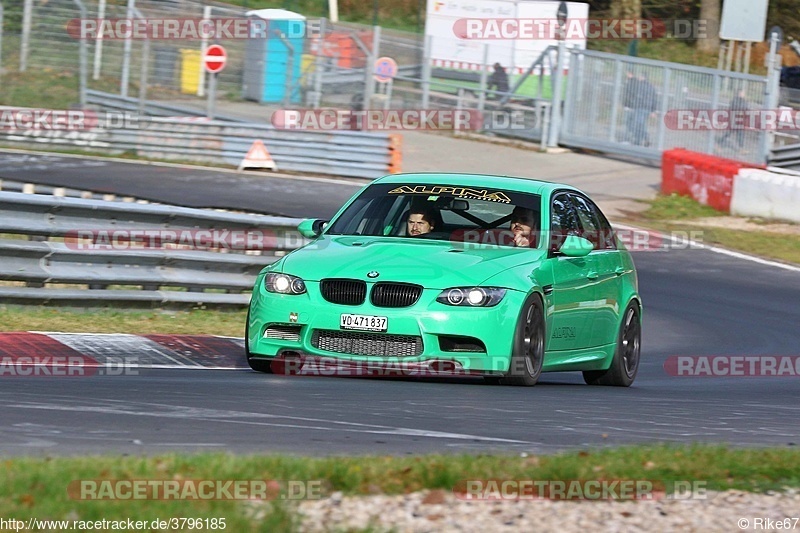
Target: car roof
{"type": "Point", "coordinates": [513, 183]}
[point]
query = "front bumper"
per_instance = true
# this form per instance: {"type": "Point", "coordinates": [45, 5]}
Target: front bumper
{"type": "Point", "coordinates": [433, 323]}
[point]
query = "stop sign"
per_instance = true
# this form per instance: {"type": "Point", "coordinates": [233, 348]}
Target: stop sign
{"type": "Point", "coordinates": [214, 58]}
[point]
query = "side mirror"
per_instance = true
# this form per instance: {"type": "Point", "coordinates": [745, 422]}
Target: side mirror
{"type": "Point", "coordinates": [311, 228]}
{"type": "Point", "coordinates": [575, 246]}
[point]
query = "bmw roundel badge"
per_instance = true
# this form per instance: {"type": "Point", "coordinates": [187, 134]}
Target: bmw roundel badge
{"type": "Point", "coordinates": [373, 274]}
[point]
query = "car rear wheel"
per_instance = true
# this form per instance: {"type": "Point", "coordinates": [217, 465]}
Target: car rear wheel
{"type": "Point", "coordinates": [625, 364]}
{"type": "Point", "coordinates": [528, 356]}
{"type": "Point", "coordinates": [259, 365]}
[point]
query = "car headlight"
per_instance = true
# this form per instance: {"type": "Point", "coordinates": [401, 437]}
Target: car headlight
{"type": "Point", "coordinates": [284, 284]}
{"type": "Point", "coordinates": [471, 296]}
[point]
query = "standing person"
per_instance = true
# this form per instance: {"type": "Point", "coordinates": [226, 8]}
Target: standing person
{"type": "Point", "coordinates": [629, 103]}
{"type": "Point", "coordinates": [498, 79]}
{"type": "Point", "coordinates": [645, 106]}
{"type": "Point", "coordinates": [738, 103]}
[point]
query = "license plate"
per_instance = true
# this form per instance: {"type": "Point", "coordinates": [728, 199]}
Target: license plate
{"type": "Point", "coordinates": [366, 322]}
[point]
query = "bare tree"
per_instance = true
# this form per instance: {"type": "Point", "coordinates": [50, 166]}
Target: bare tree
{"type": "Point", "coordinates": [710, 13]}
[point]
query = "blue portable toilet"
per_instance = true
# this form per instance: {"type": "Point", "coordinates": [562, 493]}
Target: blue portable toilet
{"type": "Point", "coordinates": [268, 58]}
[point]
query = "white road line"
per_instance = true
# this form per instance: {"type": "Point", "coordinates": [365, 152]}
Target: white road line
{"type": "Point", "coordinates": [226, 417]}
{"type": "Point", "coordinates": [715, 249]}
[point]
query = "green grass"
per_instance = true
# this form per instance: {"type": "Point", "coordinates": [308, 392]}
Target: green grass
{"type": "Point", "coordinates": [529, 88]}
{"type": "Point", "coordinates": [19, 318]}
{"type": "Point", "coordinates": [39, 486]}
{"type": "Point", "coordinates": [681, 213]}
{"type": "Point", "coordinates": [677, 207]}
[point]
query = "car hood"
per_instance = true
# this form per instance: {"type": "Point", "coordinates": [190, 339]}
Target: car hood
{"type": "Point", "coordinates": [432, 264]}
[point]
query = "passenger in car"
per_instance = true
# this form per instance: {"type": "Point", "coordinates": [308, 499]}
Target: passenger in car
{"type": "Point", "coordinates": [523, 225]}
{"type": "Point", "coordinates": [420, 221]}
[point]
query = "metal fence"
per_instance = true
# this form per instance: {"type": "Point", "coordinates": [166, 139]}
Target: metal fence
{"type": "Point", "coordinates": [628, 105]}
{"type": "Point", "coordinates": [61, 262]}
{"type": "Point", "coordinates": [343, 153]}
{"type": "Point", "coordinates": [589, 90]}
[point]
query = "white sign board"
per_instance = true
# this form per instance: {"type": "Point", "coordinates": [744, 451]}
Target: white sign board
{"type": "Point", "coordinates": [744, 20]}
{"type": "Point", "coordinates": [448, 50]}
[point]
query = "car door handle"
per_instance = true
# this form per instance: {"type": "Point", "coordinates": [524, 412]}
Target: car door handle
{"type": "Point", "coordinates": [619, 271]}
{"type": "Point", "coordinates": [592, 275]}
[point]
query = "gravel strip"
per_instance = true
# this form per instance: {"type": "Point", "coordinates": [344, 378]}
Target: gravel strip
{"type": "Point", "coordinates": [437, 511]}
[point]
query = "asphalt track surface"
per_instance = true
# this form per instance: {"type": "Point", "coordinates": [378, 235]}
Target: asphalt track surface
{"type": "Point", "coordinates": [696, 303]}
{"type": "Point", "coordinates": [190, 187]}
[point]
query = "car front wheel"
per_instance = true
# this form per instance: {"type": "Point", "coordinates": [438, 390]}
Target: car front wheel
{"type": "Point", "coordinates": [528, 356]}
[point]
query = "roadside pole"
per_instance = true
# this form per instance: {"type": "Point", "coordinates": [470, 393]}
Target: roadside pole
{"type": "Point", "coordinates": [1, 41]}
{"type": "Point", "coordinates": [212, 96]}
{"type": "Point", "coordinates": [143, 78]}
{"type": "Point", "coordinates": [558, 88]}
{"type": "Point", "coordinates": [126, 54]}
{"type": "Point", "coordinates": [98, 44]}
{"type": "Point", "coordinates": [27, 15]}
{"type": "Point", "coordinates": [83, 60]}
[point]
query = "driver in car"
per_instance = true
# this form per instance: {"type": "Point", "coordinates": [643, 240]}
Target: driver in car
{"type": "Point", "coordinates": [522, 226]}
{"type": "Point", "coordinates": [420, 222]}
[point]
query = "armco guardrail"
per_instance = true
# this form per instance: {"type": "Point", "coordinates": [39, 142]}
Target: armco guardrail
{"type": "Point", "coordinates": [341, 153]}
{"type": "Point", "coordinates": [786, 156]}
{"type": "Point", "coordinates": [145, 270]}
{"type": "Point", "coordinates": [128, 104]}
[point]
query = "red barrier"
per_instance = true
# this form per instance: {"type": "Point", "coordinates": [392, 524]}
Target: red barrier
{"type": "Point", "coordinates": [706, 178]}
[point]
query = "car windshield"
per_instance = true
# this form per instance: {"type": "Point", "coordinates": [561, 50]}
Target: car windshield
{"type": "Point", "coordinates": [482, 215]}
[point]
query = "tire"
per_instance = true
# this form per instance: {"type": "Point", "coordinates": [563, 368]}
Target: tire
{"type": "Point", "coordinates": [527, 358]}
{"type": "Point", "coordinates": [259, 365]}
{"type": "Point", "coordinates": [625, 364]}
